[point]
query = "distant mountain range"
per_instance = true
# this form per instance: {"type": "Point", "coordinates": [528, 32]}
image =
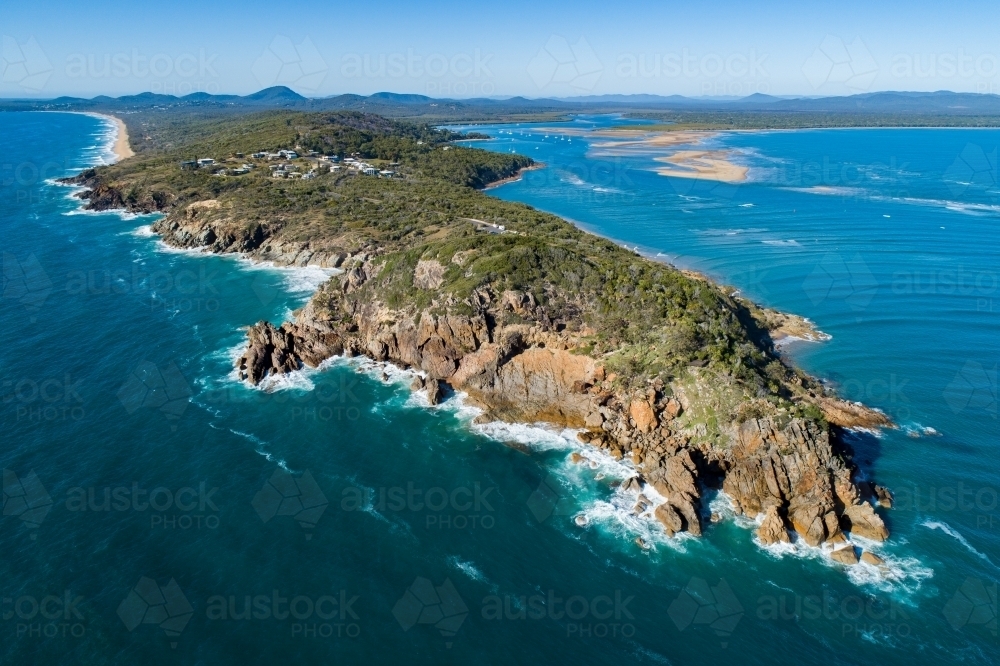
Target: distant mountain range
{"type": "Point", "coordinates": [280, 97]}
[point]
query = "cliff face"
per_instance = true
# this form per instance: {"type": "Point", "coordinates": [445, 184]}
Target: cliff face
{"type": "Point", "coordinates": [782, 468]}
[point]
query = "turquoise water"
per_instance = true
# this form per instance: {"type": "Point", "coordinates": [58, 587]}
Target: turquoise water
{"type": "Point", "coordinates": [147, 494]}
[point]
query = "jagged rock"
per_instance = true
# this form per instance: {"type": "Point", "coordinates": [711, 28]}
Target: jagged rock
{"type": "Point", "coordinates": [884, 497]}
{"type": "Point", "coordinates": [673, 408]}
{"type": "Point", "coordinates": [435, 391]}
{"type": "Point", "coordinates": [669, 518]}
{"type": "Point", "coordinates": [417, 383]}
{"type": "Point", "coordinates": [632, 483]}
{"type": "Point", "coordinates": [871, 558]}
{"type": "Point", "coordinates": [861, 520]}
{"type": "Point", "coordinates": [576, 458]}
{"type": "Point", "coordinates": [524, 372]}
{"type": "Point", "coordinates": [642, 413]}
{"type": "Point", "coordinates": [772, 530]}
{"type": "Point", "coordinates": [845, 556]}
{"type": "Point", "coordinates": [428, 274]}
{"type": "Point", "coordinates": [269, 351]}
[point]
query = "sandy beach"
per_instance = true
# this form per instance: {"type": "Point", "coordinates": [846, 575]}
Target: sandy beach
{"type": "Point", "coordinates": [705, 164]}
{"type": "Point", "coordinates": [702, 164]}
{"type": "Point", "coordinates": [122, 149]}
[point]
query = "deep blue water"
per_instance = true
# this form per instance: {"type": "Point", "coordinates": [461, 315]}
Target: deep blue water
{"type": "Point", "coordinates": [366, 526]}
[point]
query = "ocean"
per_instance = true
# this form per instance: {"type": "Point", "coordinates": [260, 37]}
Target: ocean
{"type": "Point", "coordinates": [156, 510]}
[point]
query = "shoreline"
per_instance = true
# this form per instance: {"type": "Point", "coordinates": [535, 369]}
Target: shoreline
{"type": "Point", "coordinates": [663, 423]}
{"type": "Point", "coordinates": [121, 147]}
{"type": "Point", "coordinates": [516, 177]}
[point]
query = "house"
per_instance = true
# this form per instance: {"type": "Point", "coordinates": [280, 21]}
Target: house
{"type": "Point", "coordinates": [189, 165]}
{"type": "Point", "coordinates": [369, 171]}
{"type": "Point", "coordinates": [385, 173]}
{"type": "Point", "coordinates": [206, 161]}
{"type": "Point", "coordinates": [259, 155]}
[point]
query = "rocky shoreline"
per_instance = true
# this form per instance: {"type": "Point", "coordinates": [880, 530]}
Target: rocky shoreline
{"type": "Point", "coordinates": [792, 474]}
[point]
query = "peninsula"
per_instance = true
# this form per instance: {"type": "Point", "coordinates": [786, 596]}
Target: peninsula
{"type": "Point", "coordinates": [532, 318]}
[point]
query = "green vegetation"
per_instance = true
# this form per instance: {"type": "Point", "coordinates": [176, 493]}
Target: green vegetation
{"type": "Point", "coordinates": [646, 319]}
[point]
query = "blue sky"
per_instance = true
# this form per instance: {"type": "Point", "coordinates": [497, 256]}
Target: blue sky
{"type": "Point", "coordinates": [465, 49]}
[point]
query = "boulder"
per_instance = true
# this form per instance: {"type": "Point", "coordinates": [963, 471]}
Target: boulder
{"type": "Point", "coordinates": [871, 558]}
{"type": "Point", "coordinates": [642, 413]}
{"type": "Point", "coordinates": [669, 519]}
{"type": "Point", "coordinates": [845, 556]}
{"type": "Point", "coordinates": [772, 530]}
{"type": "Point", "coordinates": [435, 391]}
{"type": "Point", "coordinates": [861, 520]}
{"type": "Point", "coordinates": [884, 497]}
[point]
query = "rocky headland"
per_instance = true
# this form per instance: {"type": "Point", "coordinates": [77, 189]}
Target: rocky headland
{"type": "Point", "coordinates": [546, 324]}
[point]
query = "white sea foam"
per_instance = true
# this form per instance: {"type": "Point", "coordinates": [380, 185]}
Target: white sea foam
{"type": "Point", "coordinates": [298, 279]}
{"type": "Point", "coordinates": [955, 534]}
{"type": "Point", "coordinates": [470, 570]}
